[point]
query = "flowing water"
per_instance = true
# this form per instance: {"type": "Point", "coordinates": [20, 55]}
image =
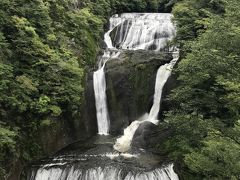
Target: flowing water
{"type": "Point", "coordinates": [132, 31]}
{"type": "Point", "coordinates": [96, 160]}
{"type": "Point", "coordinates": [99, 84]}
{"type": "Point", "coordinates": [148, 31]}
{"type": "Point", "coordinates": [163, 74]}
{"type": "Point", "coordinates": [123, 144]}
{"type": "Point", "coordinates": [105, 157]}
{"type": "Point", "coordinates": [107, 173]}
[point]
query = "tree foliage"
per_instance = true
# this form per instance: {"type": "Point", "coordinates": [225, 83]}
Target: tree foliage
{"type": "Point", "coordinates": [41, 72]}
{"type": "Point", "coordinates": [46, 47]}
{"type": "Point", "coordinates": [205, 105]}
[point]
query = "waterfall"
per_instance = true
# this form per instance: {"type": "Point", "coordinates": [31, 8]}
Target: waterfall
{"type": "Point", "coordinates": [163, 74]}
{"type": "Point", "coordinates": [100, 96]}
{"type": "Point", "coordinates": [99, 161]}
{"type": "Point", "coordinates": [148, 32]}
{"type": "Point", "coordinates": [132, 31]}
{"type": "Point", "coordinates": [99, 84]}
{"type": "Point", "coordinates": [123, 144]}
{"type": "Point", "coordinates": [107, 173]}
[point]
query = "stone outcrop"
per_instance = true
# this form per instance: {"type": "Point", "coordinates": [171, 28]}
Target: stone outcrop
{"type": "Point", "coordinates": [130, 85]}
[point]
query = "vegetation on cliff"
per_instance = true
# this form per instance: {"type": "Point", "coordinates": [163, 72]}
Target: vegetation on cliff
{"type": "Point", "coordinates": [205, 106]}
{"type": "Point", "coordinates": [45, 48]}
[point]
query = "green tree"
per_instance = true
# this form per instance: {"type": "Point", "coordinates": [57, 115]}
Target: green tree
{"type": "Point", "coordinates": [205, 106]}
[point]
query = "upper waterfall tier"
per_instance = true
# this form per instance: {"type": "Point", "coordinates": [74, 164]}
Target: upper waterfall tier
{"type": "Point", "coordinates": [147, 31]}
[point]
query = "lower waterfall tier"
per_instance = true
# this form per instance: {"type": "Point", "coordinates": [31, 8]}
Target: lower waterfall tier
{"type": "Point", "coordinates": [96, 160]}
{"type": "Point", "coordinates": [106, 173]}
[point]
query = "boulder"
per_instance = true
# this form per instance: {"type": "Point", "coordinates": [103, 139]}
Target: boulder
{"type": "Point", "coordinates": [149, 135]}
{"type": "Point", "coordinates": [142, 135]}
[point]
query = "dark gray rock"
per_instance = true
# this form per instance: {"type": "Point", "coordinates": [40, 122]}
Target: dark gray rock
{"type": "Point", "coordinates": [89, 109]}
{"type": "Point", "coordinates": [130, 85]}
{"type": "Point", "coordinates": [142, 135]}
{"type": "Point", "coordinates": [148, 136]}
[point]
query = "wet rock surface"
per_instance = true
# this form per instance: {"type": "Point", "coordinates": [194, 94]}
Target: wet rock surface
{"type": "Point", "coordinates": [95, 159]}
{"type": "Point", "coordinates": [149, 135]}
{"type": "Point", "coordinates": [130, 85]}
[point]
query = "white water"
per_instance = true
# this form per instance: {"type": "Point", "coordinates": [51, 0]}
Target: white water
{"type": "Point", "coordinates": [132, 31]}
{"type": "Point", "coordinates": [123, 144]}
{"type": "Point", "coordinates": [99, 83]}
{"type": "Point", "coordinates": [143, 30]}
{"type": "Point", "coordinates": [107, 173]}
{"type": "Point", "coordinates": [163, 74]}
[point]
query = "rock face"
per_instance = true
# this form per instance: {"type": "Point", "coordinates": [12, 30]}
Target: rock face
{"type": "Point", "coordinates": [142, 135]}
{"type": "Point", "coordinates": [88, 109]}
{"type": "Point", "coordinates": [62, 132]}
{"type": "Point", "coordinates": [148, 135]}
{"type": "Point", "coordinates": [65, 131]}
{"type": "Point", "coordinates": [130, 88]}
{"type": "Point", "coordinates": [130, 85]}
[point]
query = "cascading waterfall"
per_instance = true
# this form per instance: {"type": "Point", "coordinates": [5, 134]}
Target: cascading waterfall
{"type": "Point", "coordinates": [148, 31]}
{"type": "Point", "coordinates": [123, 144]}
{"type": "Point", "coordinates": [132, 31]}
{"type": "Point", "coordinates": [107, 173]}
{"type": "Point", "coordinates": [129, 31]}
{"type": "Point", "coordinates": [99, 84]}
{"type": "Point", "coordinates": [101, 99]}
{"type": "Point", "coordinates": [163, 74]}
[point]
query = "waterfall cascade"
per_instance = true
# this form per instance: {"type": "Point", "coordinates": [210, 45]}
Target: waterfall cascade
{"type": "Point", "coordinates": [132, 31]}
{"type": "Point", "coordinates": [123, 143]}
{"type": "Point", "coordinates": [107, 173]}
{"type": "Point", "coordinates": [102, 165]}
{"type": "Point", "coordinates": [129, 31]}
{"type": "Point", "coordinates": [162, 76]}
{"type": "Point", "coordinates": [100, 94]}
